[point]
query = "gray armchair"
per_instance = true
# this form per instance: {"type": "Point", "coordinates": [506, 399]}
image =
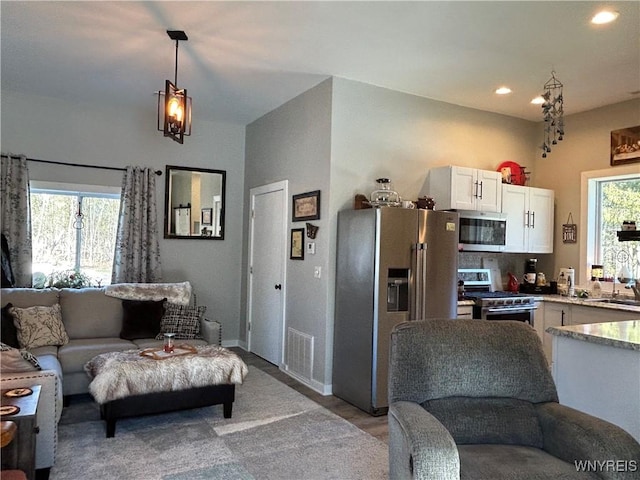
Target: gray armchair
{"type": "Point", "coordinates": [474, 399]}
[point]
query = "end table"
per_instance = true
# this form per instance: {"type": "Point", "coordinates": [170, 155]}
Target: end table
{"type": "Point", "coordinates": [21, 452]}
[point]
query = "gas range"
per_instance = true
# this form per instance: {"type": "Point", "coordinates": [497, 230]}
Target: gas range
{"type": "Point", "coordinates": [490, 305]}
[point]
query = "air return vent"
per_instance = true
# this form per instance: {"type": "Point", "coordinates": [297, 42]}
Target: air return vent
{"type": "Point", "coordinates": [299, 353]}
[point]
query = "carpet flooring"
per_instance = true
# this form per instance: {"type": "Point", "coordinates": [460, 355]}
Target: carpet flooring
{"type": "Point", "coordinates": [275, 433]}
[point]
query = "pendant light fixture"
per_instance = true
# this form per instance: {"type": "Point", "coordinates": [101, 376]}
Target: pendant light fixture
{"type": "Point", "coordinates": [174, 106]}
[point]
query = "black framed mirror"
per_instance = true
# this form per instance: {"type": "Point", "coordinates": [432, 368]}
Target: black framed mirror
{"type": "Point", "coordinates": [194, 203]}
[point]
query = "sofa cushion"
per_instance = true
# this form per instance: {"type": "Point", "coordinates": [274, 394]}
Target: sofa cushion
{"type": "Point", "coordinates": [9, 333]}
{"type": "Point", "coordinates": [13, 360]}
{"type": "Point", "coordinates": [39, 325]}
{"type": "Point", "coordinates": [488, 420]}
{"type": "Point", "coordinates": [183, 320]}
{"type": "Point", "coordinates": [141, 318]}
{"type": "Point", "coordinates": [77, 352]}
{"type": "Point", "coordinates": [89, 313]}
{"type": "Point", "coordinates": [27, 297]}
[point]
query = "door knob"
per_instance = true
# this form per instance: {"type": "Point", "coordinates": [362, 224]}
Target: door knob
{"type": "Point", "coordinates": [278, 286]}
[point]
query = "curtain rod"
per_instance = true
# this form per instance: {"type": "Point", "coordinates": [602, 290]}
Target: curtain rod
{"type": "Point", "coordinates": [157, 172]}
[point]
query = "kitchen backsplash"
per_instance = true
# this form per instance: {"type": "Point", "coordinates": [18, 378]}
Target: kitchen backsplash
{"type": "Point", "coordinates": [509, 262]}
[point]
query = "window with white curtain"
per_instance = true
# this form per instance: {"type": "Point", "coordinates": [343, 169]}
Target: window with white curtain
{"type": "Point", "coordinates": [73, 230]}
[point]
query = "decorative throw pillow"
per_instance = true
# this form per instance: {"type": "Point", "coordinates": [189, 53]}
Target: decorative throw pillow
{"type": "Point", "coordinates": [9, 333]}
{"type": "Point", "coordinates": [13, 360]}
{"type": "Point", "coordinates": [39, 326]}
{"type": "Point", "coordinates": [141, 318]}
{"type": "Point", "coordinates": [182, 320]}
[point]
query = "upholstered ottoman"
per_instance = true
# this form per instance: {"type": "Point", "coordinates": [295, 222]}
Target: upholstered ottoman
{"type": "Point", "coordinates": [134, 383]}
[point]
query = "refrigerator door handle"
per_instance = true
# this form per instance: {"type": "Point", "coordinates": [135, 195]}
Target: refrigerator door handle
{"type": "Point", "coordinates": [414, 288]}
{"type": "Point", "coordinates": [417, 292]}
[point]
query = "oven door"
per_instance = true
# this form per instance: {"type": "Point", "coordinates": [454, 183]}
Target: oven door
{"type": "Point", "coordinates": [516, 313]}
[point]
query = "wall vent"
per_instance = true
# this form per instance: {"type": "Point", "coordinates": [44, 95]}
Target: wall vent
{"type": "Point", "coordinates": [299, 353]}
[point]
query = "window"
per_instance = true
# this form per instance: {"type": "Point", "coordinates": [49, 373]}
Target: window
{"type": "Point", "coordinates": [611, 200]}
{"type": "Point", "coordinates": [73, 231]}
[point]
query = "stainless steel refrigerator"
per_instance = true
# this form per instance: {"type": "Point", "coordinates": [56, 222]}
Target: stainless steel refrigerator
{"type": "Point", "coordinates": [393, 265]}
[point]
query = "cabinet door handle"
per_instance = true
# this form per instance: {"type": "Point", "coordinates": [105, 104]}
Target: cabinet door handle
{"type": "Point", "coordinates": [533, 219]}
{"type": "Point", "coordinates": [481, 189]}
{"type": "Point", "coordinates": [562, 318]}
{"type": "Point", "coordinates": [475, 193]}
{"type": "Point", "coordinates": [526, 222]}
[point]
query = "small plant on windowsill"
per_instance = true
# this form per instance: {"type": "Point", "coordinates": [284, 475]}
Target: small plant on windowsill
{"type": "Point", "coordinates": [63, 279]}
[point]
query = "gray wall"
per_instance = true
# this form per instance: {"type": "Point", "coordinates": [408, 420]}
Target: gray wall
{"type": "Point", "coordinates": [97, 135]}
{"type": "Point", "coordinates": [293, 142]}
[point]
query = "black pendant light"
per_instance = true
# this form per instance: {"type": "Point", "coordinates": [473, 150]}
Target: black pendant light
{"type": "Point", "coordinates": [174, 106]}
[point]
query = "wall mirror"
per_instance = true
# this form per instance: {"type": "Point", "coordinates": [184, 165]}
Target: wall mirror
{"type": "Point", "coordinates": [194, 203]}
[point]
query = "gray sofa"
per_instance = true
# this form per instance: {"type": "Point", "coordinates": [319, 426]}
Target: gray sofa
{"type": "Point", "coordinates": [93, 322]}
{"type": "Point", "coordinates": [474, 399]}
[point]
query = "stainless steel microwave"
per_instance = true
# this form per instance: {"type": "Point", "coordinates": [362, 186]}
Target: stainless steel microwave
{"type": "Point", "coordinates": [482, 231]}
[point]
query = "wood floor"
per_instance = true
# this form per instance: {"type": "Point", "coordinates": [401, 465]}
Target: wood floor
{"type": "Point", "coordinates": [375, 426]}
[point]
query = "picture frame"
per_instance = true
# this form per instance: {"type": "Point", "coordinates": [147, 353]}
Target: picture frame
{"type": "Point", "coordinates": [625, 146]}
{"type": "Point", "coordinates": [306, 206]}
{"type": "Point", "coordinates": [207, 216]}
{"type": "Point", "coordinates": [297, 244]}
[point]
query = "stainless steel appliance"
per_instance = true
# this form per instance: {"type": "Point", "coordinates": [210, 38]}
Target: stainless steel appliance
{"type": "Point", "coordinates": [482, 231]}
{"type": "Point", "coordinates": [491, 305]}
{"type": "Point", "coordinates": [393, 265]}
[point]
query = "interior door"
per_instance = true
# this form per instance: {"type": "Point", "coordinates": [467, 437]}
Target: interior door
{"type": "Point", "coordinates": [267, 257]}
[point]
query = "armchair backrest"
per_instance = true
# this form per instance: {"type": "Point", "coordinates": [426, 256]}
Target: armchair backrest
{"type": "Point", "coordinates": [435, 359]}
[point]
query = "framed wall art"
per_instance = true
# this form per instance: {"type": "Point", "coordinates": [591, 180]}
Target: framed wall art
{"type": "Point", "coordinates": [207, 216]}
{"type": "Point", "coordinates": [306, 206]}
{"type": "Point", "coordinates": [625, 146]}
{"type": "Point", "coordinates": [297, 244]}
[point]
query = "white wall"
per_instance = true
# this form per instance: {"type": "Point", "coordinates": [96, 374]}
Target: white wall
{"type": "Point", "coordinates": [586, 147]}
{"type": "Point", "coordinates": [51, 129]}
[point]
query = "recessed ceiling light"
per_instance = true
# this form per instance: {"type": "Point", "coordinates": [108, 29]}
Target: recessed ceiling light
{"type": "Point", "coordinates": [503, 90]}
{"type": "Point", "coordinates": [538, 100]}
{"type": "Point", "coordinates": [605, 16]}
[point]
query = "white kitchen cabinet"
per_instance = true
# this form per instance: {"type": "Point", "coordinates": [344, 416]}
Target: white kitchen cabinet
{"type": "Point", "coordinates": [555, 315]}
{"type": "Point", "coordinates": [529, 213]}
{"type": "Point", "coordinates": [463, 188]}
{"type": "Point", "coordinates": [465, 311]}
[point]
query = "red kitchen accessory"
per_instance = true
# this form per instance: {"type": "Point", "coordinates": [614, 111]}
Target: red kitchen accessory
{"type": "Point", "coordinates": [512, 285]}
{"type": "Point", "coordinates": [518, 175]}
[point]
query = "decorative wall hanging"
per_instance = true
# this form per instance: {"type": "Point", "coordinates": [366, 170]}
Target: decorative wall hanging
{"type": "Point", "coordinates": [174, 106]}
{"type": "Point", "coordinates": [297, 248]}
{"type": "Point", "coordinates": [312, 230]}
{"type": "Point", "coordinates": [306, 206]}
{"type": "Point", "coordinates": [569, 231]}
{"type": "Point", "coordinates": [553, 114]}
{"type": "Point", "coordinates": [625, 146]}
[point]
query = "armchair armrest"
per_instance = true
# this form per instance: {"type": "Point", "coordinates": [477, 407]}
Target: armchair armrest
{"type": "Point", "coordinates": [211, 331]}
{"type": "Point", "coordinates": [420, 447]}
{"type": "Point", "coordinates": [575, 436]}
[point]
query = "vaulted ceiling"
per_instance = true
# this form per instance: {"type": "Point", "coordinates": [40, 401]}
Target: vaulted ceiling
{"type": "Point", "coordinates": [244, 59]}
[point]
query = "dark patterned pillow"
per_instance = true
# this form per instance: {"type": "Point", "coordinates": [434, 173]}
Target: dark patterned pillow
{"type": "Point", "coordinates": [182, 320]}
{"type": "Point", "coordinates": [13, 360]}
{"type": "Point", "coordinates": [141, 318]}
{"type": "Point", "coordinates": [9, 333]}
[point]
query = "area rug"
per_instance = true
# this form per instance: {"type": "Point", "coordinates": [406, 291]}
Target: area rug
{"type": "Point", "coordinates": [275, 433]}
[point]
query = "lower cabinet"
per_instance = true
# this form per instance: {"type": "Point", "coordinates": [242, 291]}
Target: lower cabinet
{"type": "Point", "coordinates": [465, 311]}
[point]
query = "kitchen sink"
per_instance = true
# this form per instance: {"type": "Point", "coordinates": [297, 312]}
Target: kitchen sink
{"type": "Point", "coordinates": [616, 301]}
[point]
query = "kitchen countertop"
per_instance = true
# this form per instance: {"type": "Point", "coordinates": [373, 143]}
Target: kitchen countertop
{"type": "Point", "coordinates": [625, 334]}
{"type": "Point", "coordinates": [588, 303]}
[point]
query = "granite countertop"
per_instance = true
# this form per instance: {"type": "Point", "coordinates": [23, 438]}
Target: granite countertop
{"type": "Point", "coordinates": [625, 334]}
{"type": "Point", "coordinates": [586, 302]}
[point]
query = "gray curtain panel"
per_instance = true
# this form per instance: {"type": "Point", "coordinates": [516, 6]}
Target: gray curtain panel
{"type": "Point", "coordinates": [137, 255]}
{"type": "Point", "coordinates": [16, 216]}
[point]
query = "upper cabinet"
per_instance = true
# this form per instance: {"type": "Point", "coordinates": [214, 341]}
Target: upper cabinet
{"type": "Point", "coordinates": [463, 188]}
{"type": "Point", "coordinates": [529, 219]}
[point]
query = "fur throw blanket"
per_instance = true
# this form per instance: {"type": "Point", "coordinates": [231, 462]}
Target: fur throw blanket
{"type": "Point", "coordinates": [179, 293]}
{"type": "Point", "coordinates": [122, 374]}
